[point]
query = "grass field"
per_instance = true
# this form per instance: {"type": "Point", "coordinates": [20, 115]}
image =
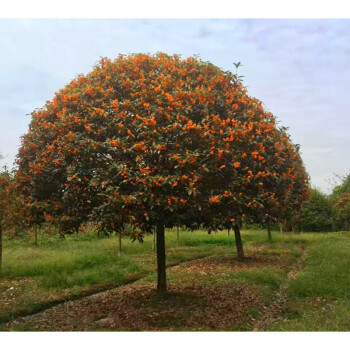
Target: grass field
{"type": "Point", "coordinates": [298, 282]}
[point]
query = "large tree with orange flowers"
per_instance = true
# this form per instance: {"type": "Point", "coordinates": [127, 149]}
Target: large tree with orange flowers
{"type": "Point", "coordinates": [293, 188]}
{"type": "Point", "coordinates": [153, 141]}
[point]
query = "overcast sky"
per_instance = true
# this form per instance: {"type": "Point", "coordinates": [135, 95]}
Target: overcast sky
{"type": "Point", "coordinates": [299, 68]}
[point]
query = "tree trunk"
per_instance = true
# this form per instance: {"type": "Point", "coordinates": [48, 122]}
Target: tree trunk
{"type": "Point", "coordinates": [228, 232]}
{"type": "Point", "coordinates": [293, 228]}
{"type": "Point", "coordinates": [269, 232]}
{"type": "Point", "coordinates": [281, 228]}
{"type": "Point", "coordinates": [0, 247]}
{"type": "Point", "coordinates": [36, 234]}
{"type": "Point", "coordinates": [239, 245]}
{"type": "Point", "coordinates": [161, 258]}
{"type": "Point", "coordinates": [119, 243]}
{"type": "Point", "coordinates": [154, 241]}
{"type": "Point", "coordinates": [178, 235]}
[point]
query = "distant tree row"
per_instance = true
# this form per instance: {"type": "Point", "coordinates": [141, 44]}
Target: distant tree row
{"type": "Point", "coordinates": [324, 213]}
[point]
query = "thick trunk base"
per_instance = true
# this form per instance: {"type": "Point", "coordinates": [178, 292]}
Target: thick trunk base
{"type": "Point", "coordinates": [239, 245]}
{"type": "Point", "coordinates": [161, 260]}
{"type": "Point", "coordinates": [269, 236]}
{"type": "Point", "coordinates": [36, 235]}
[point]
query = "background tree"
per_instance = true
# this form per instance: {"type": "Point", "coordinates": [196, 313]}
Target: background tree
{"type": "Point", "coordinates": [338, 198]}
{"type": "Point", "coordinates": [289, 192]}
{"type": "Point", "coordinates": [343, 187]}
{"type": "Point", "coordinates": [4, 182]}
{"type": "Point", "coordinates": [11, 206]}
{"type": "Point", "coordinates": [317, 213]}
{"type": "Point", "coordinates": [155, 142]}
{"type": "Point", "coordinates": [342, 210]}
{"type": "Point", "coordinates": [296, 194]}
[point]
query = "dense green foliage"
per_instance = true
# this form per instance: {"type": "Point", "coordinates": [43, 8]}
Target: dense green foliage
{"type": "Point", "coordinates": [317, 213]}
{"type": "Point", "coordinates": [343, 187]}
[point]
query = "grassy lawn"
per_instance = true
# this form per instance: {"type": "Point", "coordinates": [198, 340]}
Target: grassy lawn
{"type": "Point", "coordinates": [319, 298]}
{"type": "Point", "coordinates": [34, 277]}
{"type": "Point", "coordinates": [297, 282]}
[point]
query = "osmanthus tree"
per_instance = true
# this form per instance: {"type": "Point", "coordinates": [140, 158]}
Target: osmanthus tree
{"type": "Point", "coordinates": [4, 206]}
{"type": "Point", "coordinates": [298, 195]}
{"type": "Point", "coordinates": [293, 188]}
{"type": "Point", "coordinates": [154, 141]}
{"type": "Point", "coordinates": [12, 213]}
{"type": "Point", "coordinates": [288, 188]}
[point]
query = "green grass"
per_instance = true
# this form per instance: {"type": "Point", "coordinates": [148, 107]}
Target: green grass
{"type": "Point", "coordinates": [36, 277]}
{"type": "Point", "coordinates": [327, 270]}
{"type": "Point", "coordinates": [61, 269]}
{"type": "Point", "coordinates": [67, 263]}
{"type": "Point", "coordinates": [271, 277]}
{"type": "Point", "coordinates": [325, 316]}
{"type": "Point", "coordinates": [319, 298]}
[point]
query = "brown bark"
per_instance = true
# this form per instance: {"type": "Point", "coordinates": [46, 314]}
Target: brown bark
{"type": "Point", "coordinates": [161, 259]}
{"type": "Point", "coordinates": [269, 232]}
{"type": "Point", "coordinates": [239, 246]}
{"type": "Point", "coordinates": [36, 234]}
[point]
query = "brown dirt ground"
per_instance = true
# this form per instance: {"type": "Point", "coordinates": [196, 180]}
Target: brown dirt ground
{"type": "Point", "coordinates": [136, 307]}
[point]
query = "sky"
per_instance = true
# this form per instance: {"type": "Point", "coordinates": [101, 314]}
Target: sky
{"type": "Point", "coordinates": [299, 69]}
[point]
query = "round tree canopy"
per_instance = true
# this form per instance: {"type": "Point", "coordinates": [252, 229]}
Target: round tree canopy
{"type": "Point", "coordinates": [145, 138]}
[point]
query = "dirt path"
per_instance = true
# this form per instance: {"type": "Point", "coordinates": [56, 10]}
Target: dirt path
{"type": "Point", "coordinates": [274, 312]}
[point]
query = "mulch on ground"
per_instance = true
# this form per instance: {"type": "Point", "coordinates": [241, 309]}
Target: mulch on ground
{"type": "Point", "coordinates": [136, 307]}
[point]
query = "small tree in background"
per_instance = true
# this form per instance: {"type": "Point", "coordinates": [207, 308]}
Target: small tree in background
{"type": "Point", "coordinates": [338, 198]}
{"type": "Point", "coordinates": [11, 206]}
{"type": "Point", "coordinates": [156, 142]}
{"type": "Point", "coordinates": [317, 213]}
{"type": "Point", "coordinates": [342, 209]}
{"type": "Point", "coordinates": [343, 187]}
